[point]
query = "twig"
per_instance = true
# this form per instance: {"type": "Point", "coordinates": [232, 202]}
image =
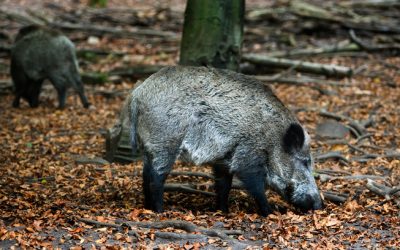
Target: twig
{"type": "Point", "coordinates": [331, 171]}
{"type": "Point", "coordinates": [363, 137]}
{"type": "Point", "coordinates": [186, 226]}
{"type": "Point", "coordinates": [299, 80]}
{"type": "Point", "coordinates": [179, 236]}
{"type": "Point", "coordinates": [330, 155]}
{"type": "Point", "coordinates": [82, 159]}
{"type": "Point", "coordinates": [115, 31]}
{"type": "Point", "coordinates": [334, 197]}
{"type": "Point", "coordinates": [325, 177]}
{"type": "Point", "coordinates": [353, 123]}
{"type": "Point", "coordinates": [371, 185]}
{"type": "Point", "coordinates": [347, 143]}
{"type": "Point", "coordinates": [24, 19]}
{"type": "Point", "coordinates": [366, 157]}
{"type": "Point", "coordinates": [108, 224]}
{"type": "Point", "coordinates": [317, 51]}
{"type": "Point", "coordinates": [325, 69]}
{"type": "Point", "coordinates": [172, 187]}
{"type": "Point", "coordinates": [196, 174]}
{"type": "Point", "coordinates": [369, 47]}
{"type": "Point", "coordinates": [137, 70]}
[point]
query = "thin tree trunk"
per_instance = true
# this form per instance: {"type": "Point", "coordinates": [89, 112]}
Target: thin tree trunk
{"type": "Point", "coordinates": [213, 33]}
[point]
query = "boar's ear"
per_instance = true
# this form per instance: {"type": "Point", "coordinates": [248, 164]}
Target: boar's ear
{"type": "Point", "coordinates": [293, 138]}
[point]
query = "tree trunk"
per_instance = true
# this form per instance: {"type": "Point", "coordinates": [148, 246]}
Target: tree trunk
{"type": "Point", "coordinates": [212, 33]}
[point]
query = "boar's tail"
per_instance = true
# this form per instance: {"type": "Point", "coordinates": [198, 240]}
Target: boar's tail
{"type": "Point", "coordinates": [133, 121]}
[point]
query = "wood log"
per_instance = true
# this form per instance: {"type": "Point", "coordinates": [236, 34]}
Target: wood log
{"type": "Point", "coordinates": [334, 49]}
{"type": "Point", "coordinates": [370, 3]}
{"type": "Point", "coordinates": [137, 70]}
{"type": "Point", "coordinates": [308, 10]}
{"type": "Point", "coordinates": [20, 17]}
{"type": "Point", "coordinates": [317, 68]}
{"type": "Point", "coordinates": [118, 142]}
{"type": "Point", "coordinates": [94, 77]}
{"type": "Point", "coordinates": [127, 33]}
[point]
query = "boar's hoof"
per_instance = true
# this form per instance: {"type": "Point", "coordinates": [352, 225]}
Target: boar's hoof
{"type": "Point", "coordinates": [87, 105]}
{"type": "Point", "coordinates": [265, 211]}
{"type": "Point", "coordinates": [15, 103]}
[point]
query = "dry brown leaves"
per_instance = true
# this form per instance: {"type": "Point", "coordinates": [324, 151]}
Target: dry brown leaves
{"type": "Point", "coordinates": [43, 192]}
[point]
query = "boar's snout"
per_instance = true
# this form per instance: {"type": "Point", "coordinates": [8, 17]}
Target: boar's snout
{"type": "Point", "coordinates": [309, 202]}
{"type": "Point", "coordinates": [305, 196]}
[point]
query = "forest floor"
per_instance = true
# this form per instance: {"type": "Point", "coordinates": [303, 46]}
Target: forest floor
{"type": "Point", "coordinates": [50, 199]}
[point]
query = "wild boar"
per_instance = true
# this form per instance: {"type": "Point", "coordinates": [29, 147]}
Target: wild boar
{"type": "Point", "coordinates": [38, 54]}
{"type": "Point", "coordinates": [227, 120]}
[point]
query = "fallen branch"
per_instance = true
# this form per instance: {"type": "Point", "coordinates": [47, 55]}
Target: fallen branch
{"type": "Point", "coordinates": [172, 187]}
{"type": "Point", "coordinates": [331, 155]}
{"type": "Point", "coordinates": [370, 3]}
{"type": "Point", "coordinates": [126, 33]}
{"type": "Point", "coordinates": [196, 174]}
{"type": "Point", "coordinates": [107, 224]}
{"type": "Point", "coordinates": [110, 93]}
{"type": "Point", "coordinates": [325, 69]}
{"type": "Point", "coordinates": [367, 157]}
{"type": "Point", "coordinates": [82, 159]}
{"type": "Point", "coordinates": [384, 191]}
{"type": "Point", "coordinates": [184, 225]}
{"type": "Point", "coordinates": [332, 171]}
{"type": "Point", "coordinates": [21, 18]}
{"type": "Point", "coordinates": [299, 80]}
{"type": "Point", "coordinates": [338, 48]}
{"type": "Point", "coordinates": [98, 52]}
{"type": "Point", "coordinates": [325, 177]}
{"type": "Point", "coordinates": [334, 197]}
{"type": "Point", "coordinates": [353, 123]}
{"type": "Point", "coordinates": [179, 236]}
{"type": "Point", "coordinates": [311, 11]}
{"type": "Point", "coordinates": [236, 184]}
{"type": "Point", "coordinates": [372, 48]}
{"type": "Point", "coordinates": [137, 70]}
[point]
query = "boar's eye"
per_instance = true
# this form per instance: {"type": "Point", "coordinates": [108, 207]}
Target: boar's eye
{"type": "Point", "coordinates": [307, 162]}
{"type": "Point", "coordinates": [304, 161]}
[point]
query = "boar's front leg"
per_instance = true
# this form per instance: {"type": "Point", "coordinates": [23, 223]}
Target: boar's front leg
{"type": "Point", "coordinates": [254, 183]}
{"type": "Point", "coordinates": [223, 184]}
{"type": "Point", "coordinates": [155, 171]}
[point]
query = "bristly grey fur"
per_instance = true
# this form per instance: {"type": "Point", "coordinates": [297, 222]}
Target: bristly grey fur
{"type": "Point", "coordinates": [219, 117]}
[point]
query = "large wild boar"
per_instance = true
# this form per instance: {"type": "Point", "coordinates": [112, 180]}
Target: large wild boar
{"type": "Point", "coordinates": [38, 54]}
{"type": "Point", "coordinates": [228, 120]}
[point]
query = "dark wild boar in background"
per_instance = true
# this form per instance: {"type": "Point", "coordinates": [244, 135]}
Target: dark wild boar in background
{"type": "Point", "coordinates": [38, 54]}
{"type": "Point", "coordinates": [225, 119]}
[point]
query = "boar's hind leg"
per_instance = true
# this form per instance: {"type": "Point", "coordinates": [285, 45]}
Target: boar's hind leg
{"type": "Point", "coordinates": [81, 92]}
{"type": "Point", "coordinates": [223, 183]}
{"type": "Point", "coordinates": [254, 183]}
{"type": "Point", "coordinates": [60, 83]}
{"type": "Point", "coordinates": [35, 93]}
{"type": "Point", "coordinates": [62, 95]}
{"type": "Point", "coordinates": [155, 171]}
{"type": "Point", "coordinates": [20, 83]}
